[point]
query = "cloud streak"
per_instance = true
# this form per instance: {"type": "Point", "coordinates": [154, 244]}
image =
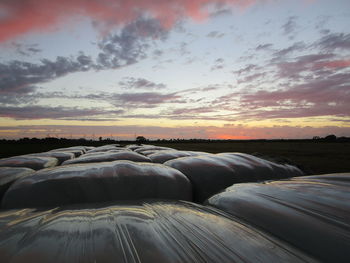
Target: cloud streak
{"type": "Point", "coordinates": [20, 17]}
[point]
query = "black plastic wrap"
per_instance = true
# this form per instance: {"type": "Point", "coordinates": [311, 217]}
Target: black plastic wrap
{"type": "Point", "coordinates": [149, 233]}
{"type": "Point", "coordinates": [212, 173]}
{"type": "Point", "coordinates": [97, 182]}
{"type": "Point", "coordinates": [108, 157]}
{"type": "Point", "coordinates": [311, 213]}
{"type": "Point", "coordinates": [33, 162]}
{"type": "Point", "coordinates": [8, 175]}
{"type": "Point", "coordinates": [60, 156]}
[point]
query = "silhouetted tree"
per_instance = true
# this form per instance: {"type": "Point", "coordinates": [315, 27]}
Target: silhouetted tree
{"type": "Point", "coordinates": [331, 137]}
{"type": "Point", "coordinates": [140, 139]}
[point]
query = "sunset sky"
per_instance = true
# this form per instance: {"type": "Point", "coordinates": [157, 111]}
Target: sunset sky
{"type": "Point", "coordinates": [225, 69]}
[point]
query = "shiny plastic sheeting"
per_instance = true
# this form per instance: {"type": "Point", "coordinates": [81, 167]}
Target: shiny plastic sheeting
{"type": "Point", "coordinates": [212, 173]}
{"type": "Point", "coordinates": [33, 162]}
{"type": "Point", "coordinates": [98, 182]}
{"type": "Point", "coordinates": [105, 148]}
{"type": "Point", "coordinates": [166, 155]}
{"type": "Point", "coordinates": [311, 213]}
{"type": "Point", "coordinates": [60, 156]}
{"type": "Point", "coordinates": [151, 147]}
{"type": "Point", "coordinates": [10, 174]}
{"type": "Point", "coordinates": [149, 233]}
{"type": "Point", "coordinates": [108, 157]}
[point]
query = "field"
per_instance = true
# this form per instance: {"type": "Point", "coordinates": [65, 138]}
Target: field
{"type": "Point", "coordinates": [315, 157]}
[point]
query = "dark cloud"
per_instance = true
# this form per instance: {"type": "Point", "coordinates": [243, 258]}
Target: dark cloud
{"type": "Point", "coordinates": [25, 49]}
{"type": "Point", "coordinates": [292, 69]}
{"type": "Point", "coordinates": [117, 50]}
{"type": "Point", "coordinates": [21, 77]}
{"type": "Point", "coordinates": [290, 26]}
{"type": "Point", "coordinates": [43, 112]}
{"type": "Point", "coordinates": [263, 47]}
{"type": "Point", "coordinates": [334, 41]}
{"type": "Point", "coordinates": [298, 46]}
{"type": "Point", "coordinates": [319, 97]}
{"type": "Point", "coordinates": [129, 46]}
{"type": "Point", "coordinates": [218, 64]}
{"type": "Point", "coordinates": [140, 83]}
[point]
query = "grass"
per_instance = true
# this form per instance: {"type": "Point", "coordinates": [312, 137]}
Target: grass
{"type": "Point", "coordinates": [314, 156]}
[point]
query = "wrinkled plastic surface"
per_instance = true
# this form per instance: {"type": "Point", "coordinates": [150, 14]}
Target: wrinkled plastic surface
{"type": "Point", "coordinates": [10, 174]}
{"type": "Point", "coordinates": [166, 155]}
{"type": "Point", "coordinates": [151, 147]}
{"type": "Point", "coordinates": [311, 213]}
{"type": "Point", "coordinates": [210, 174]}
{"type": "Point", "coordinates": [105, 148]}
{"type": "Point", "coordinates": [33, 162]}
{"type": "Point", "coordinates": [76, 152]}
{"type": "Point", "coordinates": [149, 233]}
{"type": "Point", "coordinates": [108, 157]}
{"type": "Point", "coordinates": [60, 156]}
{"type": "Point", "coordinates": [97, 182]}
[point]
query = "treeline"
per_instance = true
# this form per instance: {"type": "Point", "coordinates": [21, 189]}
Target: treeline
{"type": "Point", "coordinates": [141, 139]}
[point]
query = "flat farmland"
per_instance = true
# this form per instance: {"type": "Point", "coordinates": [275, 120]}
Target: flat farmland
{"type": "Point", "coordinates": [316, 157]}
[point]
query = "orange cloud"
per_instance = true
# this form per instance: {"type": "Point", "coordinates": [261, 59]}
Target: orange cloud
{"type": "Point", "coordinates": [18, 17]}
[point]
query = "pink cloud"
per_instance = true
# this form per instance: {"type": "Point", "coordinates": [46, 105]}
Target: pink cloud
{"type": "Point", "coordinates": [19, 17]}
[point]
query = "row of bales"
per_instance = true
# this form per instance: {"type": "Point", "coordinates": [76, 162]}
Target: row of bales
{"type": "Point", "coordinates": [145, 203]}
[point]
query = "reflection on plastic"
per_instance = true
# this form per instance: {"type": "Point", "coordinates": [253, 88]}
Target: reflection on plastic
{"type": "Point", "coordinates": [32, 162]}
{"type": "Point", "coordinates": [97, 182]}
{"type": "Point", "coordinates": [108, 157]}
{"type": "Point", "coordinates": [10, 174]}
{"type": "Point", "coordinates": [311, 212]}
{"type": "Point", "coordinates": [166, 155]}
{"type": "Point", "coordinates": [212, 173]}
{"type": "Point", "coordinates": [60, 156]}
{"type": "Point", "coordinates": [148, 232]}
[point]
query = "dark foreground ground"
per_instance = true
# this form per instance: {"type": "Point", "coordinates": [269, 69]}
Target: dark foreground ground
{"type": "Point", "coordinates": [315, 157]}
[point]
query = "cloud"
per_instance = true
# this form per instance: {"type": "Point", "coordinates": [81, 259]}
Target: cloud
{"type": "Point", "coordinates": [140, 83]}
{"type": "Point", "coordinates": [298, 46]}
{"type": "Point", "coordinates": [20, 17]}
{"type": "Point", "coordinates": [215, 34]}
{"type": "Point", "coordinates": [129, 45]}
{"type": "Point", "coordinates": [290, 26]}
{"type": "Point", "coordinates": [144, 99]}
{"type": "Point", "coordinates": [264, 47]}
{"type": "Point", "coordinates": [334, 41]}
{"type": "Point", "coordinates": [120, 49]}
{"type": "Point", "coordinates": [218, 64]}
{"type": "Point", "coordinates": [319, 97]}
{"type": "Point", "coordinates": [44, 112]}
{"type": "Point", "coordinates": [21, 77]}
{"type": "Point", "coordinates": [26, 50]}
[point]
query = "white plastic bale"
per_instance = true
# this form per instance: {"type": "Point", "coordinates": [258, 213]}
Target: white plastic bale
{"type": "Point", "coordinates": [311, 213]}
{"type": "Point", "coordinates": [33, 162]}
{"type": "Point", "coordinates": [212, 173]}
{"type": "Point", "coordinates": [8, 175]}
{"type": "Point", "coordinates": [98, 182]}
{"type": "Point", "coordinates": [108, 157]}
{"type": "Point", "coordinates": [147, 232]}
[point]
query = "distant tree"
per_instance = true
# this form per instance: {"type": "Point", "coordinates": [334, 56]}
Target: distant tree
{"type": "Point", "coordinates": [100, 138]}
{"type": "Point", "coordinates": [140, 139]}
{"type": "Point", "coordinates": [316, 138]}
{"type": "Point", "coordinates": [331, 137]}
